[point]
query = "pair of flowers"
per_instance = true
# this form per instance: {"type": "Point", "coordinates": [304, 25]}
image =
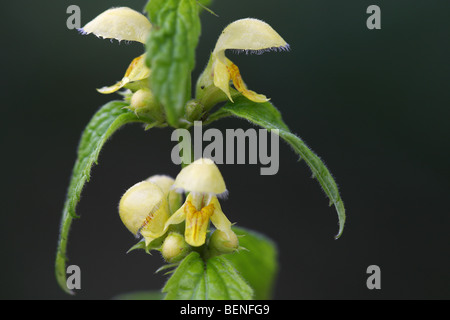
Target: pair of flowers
{"type": "Point", "coordinates": [249, 35]}
{"type": "Point", "coordinates": [150, 207]}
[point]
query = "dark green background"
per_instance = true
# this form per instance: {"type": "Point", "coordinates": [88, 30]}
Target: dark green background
{"type": "Point", "coordinates": [374, 104]}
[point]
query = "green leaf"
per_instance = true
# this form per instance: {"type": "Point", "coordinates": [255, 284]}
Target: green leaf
{"type": "Point", "coordinates": [188, 280]}
{"type": "Point", "coordinates": [267, 116]}
{"type": "Point", "coordinates": [105, 122]}
{"type": "Point", "coordinates": [141, 295]}
{"type": "Point", "coordinates": [215, 279]}
{"type": "Point", "coordinates": [257, 262]}
{"type": "Point", "coordinates": [171, 52]}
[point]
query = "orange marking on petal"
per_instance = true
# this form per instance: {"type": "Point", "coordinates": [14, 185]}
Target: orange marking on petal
{"type": "Point", "coordinates": [189, 208]}
{"type": "Point", "coordinates": [235, 75]}
{"type": "Point", "coordinates": [132, 65]}
{"type": "Point", "coordinates": [240, 86]}
{"type": "Point", "coordinates": [196, 221]}
{"type": "Point", "coordinates": [146, 221]}
{"type": "Point", "coordinates": [208, 210]}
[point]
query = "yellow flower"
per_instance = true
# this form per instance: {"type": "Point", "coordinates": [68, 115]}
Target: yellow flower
{"type": "Point", "coordinates": [122, 24]}
{"type": "Point", "coordinates": [251, 36]}
{"type": "Point", "coordinates": [145, 207]}
{"type": "Point", "coordinates": [203, 180]}
{"type": "Point", "coordinates": [144, 210]}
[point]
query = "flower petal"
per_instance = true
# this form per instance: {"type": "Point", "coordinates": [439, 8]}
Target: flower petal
{"type": "Point", "coordinates": [251, 35]}
{"type": "Point", "coordinates": [218, 218]}
{"type": "Point", "coordinates": [153, 227]}
{"type": "Point", "coordinates": [137, 70]}
{"type": "Point", "coordinates": [178, 217]}
{"type": "Point", "coordinates": [222, 78]}
{"type": "Point", "coordinates": [197, 223]}
{"type": "Point", "coordinates": [201, 176]}
{"type": "Point", "coordinates": [121, 24]}
{"type": "Point", "coordinates": [240, 85]}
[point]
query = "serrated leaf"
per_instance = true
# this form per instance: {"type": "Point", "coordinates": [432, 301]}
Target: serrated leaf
{"type": "Point", "coordinates": [224, 282]}
{"type": "Point", "coordinates": [258, 263]}
{"type": "Point", "coordinates": [104, 123]}
{"type": "Point", "coordinates": [186, 282]}
{"type": "Point", "coordinates": [215, 279]}
{"type": "Point", "coordinates": [171, 52]}
{"type": "Point", "coordinates": [267, 116]}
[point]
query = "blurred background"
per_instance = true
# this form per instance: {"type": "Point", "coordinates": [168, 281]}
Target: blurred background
{"type": "Point", "coordinates": [373, 104]}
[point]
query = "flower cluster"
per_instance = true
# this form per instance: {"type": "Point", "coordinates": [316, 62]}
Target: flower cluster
{"type": "Point", "coordinates": [151, 207]}
{"type": "Point", "coordinates": [249, 35]}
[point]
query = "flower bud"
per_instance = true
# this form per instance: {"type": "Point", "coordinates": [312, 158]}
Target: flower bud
{"type": "Point", "coordinates": [143, 104]}
{"type": "Point", "coordinates": [141, 99]}
{"type": "Point", "coordinates": [174, 248]}
{"type": "Point", "coordinates": [194, 111]}
{"type": "Point", "coordinates": [223, 242]}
